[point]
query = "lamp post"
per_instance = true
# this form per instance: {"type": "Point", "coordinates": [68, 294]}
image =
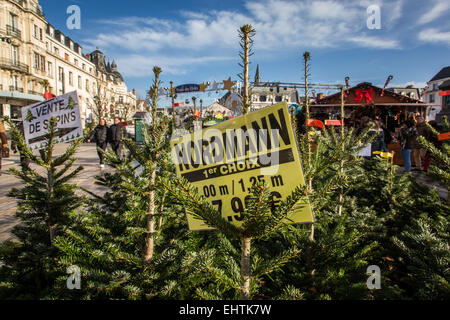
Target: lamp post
{"type": "Point", "coordinates": [201, 108]}
{"type": "Point", "coordinates": [195, 106]}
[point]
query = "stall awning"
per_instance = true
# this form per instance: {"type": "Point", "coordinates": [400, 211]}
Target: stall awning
{"type": "Point", "coordinates": [19, 99]}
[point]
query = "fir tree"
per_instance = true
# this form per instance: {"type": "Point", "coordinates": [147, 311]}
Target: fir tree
{"type": "Point", "coordinates": [47, 204]}
{"type": "Point", "coordinates": [440, 169]}
{"type": "Point", "coordinates": [424, 249]}
{"type": "Point", "coordinates": [128, 245]}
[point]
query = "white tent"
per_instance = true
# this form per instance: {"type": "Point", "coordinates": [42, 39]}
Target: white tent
{"type": "Point", "coordinates": [215, 109]}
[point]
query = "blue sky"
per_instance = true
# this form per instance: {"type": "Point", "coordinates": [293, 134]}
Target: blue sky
{"type": "Point", "coordinates": [197, 41]}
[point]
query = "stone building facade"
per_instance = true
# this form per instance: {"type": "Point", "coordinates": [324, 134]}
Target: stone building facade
{"type": "Point", "coordinates": [36, 57]}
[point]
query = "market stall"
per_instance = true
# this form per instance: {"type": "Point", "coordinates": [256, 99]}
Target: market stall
{"type": "Point", "coordinates": [367, 100]}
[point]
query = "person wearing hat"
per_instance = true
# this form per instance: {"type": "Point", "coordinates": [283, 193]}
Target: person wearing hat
{"type": "Point", "coordinates": [4, 142]}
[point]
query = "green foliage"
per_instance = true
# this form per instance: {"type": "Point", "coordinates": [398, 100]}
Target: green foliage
{"type": "Point", "coordinates": [440, 153]}
{"type": "Point", "coordinates": [47, 204]}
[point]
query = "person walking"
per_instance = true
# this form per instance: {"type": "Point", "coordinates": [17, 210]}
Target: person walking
{"type": "Point", "coordinates": [116, 134]}
{"type": "Point", "coordinates": [3, 143]}
{"type": "Point", "coordinates": [100, 136]}
{"type": "Point", "coordinates": [419, 152]}
{"type": "Point", "coordinates": [408, 134]}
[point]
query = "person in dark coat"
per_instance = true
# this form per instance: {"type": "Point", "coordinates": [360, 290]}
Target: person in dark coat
{"type": "Point", "coordinates": [116, 134]}
{"type": "Point", "coordinates": [100, 136]}
{"type": "Point", "coordinates": [408, 134]}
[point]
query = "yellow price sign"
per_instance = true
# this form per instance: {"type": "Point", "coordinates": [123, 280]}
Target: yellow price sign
{"type": "Point", "coordinates": [224, 161]}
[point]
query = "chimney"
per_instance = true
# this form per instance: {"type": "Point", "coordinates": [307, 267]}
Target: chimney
{"type": "Point", "coordinates": [134, 91]}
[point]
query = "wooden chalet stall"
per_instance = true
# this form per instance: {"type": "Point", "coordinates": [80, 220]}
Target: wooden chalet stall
{"type": "Point", "coordinates": [368, 100]}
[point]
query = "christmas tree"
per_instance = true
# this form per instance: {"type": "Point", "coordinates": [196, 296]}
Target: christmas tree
{"type": "Point", "coordinates": [47, 204]}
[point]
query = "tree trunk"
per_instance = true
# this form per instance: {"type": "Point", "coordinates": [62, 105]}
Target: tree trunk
{"type": "Point", "coordinates": [245, 268]}
{"type": "Point", "coordinates": [341, 164]}
{"type": "Point", "coordinates": [52, 233]}
{"type": "Point", "coordinates": [246, 63]}
{"type": "Point", "coordinates": [149, 248]}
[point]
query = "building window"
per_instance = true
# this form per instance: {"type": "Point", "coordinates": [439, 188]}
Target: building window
{"type": "Point", "coordinates": [447, 101]}
{"type": "Point", "coordinates": [56, 51]}
{"type": "Point", "coordinates": [84, 66]}
{"type": "Point", "coordinates": [435, 87]}
{"type": "Point", "coordinates": [36, 31]}
{"type": "Point", "coordinates": [278, 98]}
{"type": "Point", "coordinates": [87, 85]}
{"type": "Point", "coordinates": [41, 35]}
{"type": "Point", "coordinates": [75, 62]}
{"type": "Point", "coordinates": [70, 78]}
{"type": "Point", "coordinates": [79, 82]}
{"type": "Point", "coordinates": [61, 74]}
{"type": "Point", "coordinates": [262, 98]}
{"type": "Point", "coordinates": [16, 82]}
{"type": "Point", "coordinates": [432, 98]}
{"type": "Point", "coordinates": [36, 61]}
{"type": "Point", "coordinates": [15, 54]}
{"type": "Point", "coordinates": [42, 63]}
{"type": "Point", "coordinates": [39, 62]}
{"type": "Point", "coordinates": [14, 22]}
{"type": "Point", "coordinates": [49, 69]}
{"type": "Point", "coordinates": [120, 99]}
{"type": "Point", "coordinates": [66, 56]}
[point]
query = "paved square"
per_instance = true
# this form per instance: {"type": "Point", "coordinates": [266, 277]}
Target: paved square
{"type": "Point", "coordinates": [86, 156]}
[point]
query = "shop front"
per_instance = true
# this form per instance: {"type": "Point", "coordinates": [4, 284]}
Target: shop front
{"type": "Point", "coordinates": [366, 100]}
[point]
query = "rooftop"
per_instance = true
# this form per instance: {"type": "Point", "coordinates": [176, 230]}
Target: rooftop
{"type": "Point", "coordinates": [444, 73]}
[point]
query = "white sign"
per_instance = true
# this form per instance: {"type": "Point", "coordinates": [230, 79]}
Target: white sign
{"type": "Point", "coordinates": [36, 120]}
{"type": "Point", "coordinates": [367, 151]}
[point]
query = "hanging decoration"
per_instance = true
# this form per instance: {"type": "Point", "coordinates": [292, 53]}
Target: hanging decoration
{"type": "Point", "coordinates": [215, 86]}
{"type": "Point", "coordinates": [389, 79]}
{"type": "Point", "coordinates": [203, 87]}
{"type": "Point", "coordinates": [361, 94]}
{"type": "Point", "coordinates": [347, 87]}
{"type": "Point", "coordinates": [228, 84]}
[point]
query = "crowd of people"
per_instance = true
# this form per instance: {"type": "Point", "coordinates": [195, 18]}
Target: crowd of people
{"type": "Point", "coordinates": [103, 135]}
{"type": "Point", "coordinates": [407, 135]}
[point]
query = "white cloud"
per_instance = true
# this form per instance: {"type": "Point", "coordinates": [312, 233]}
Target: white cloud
{"type": "Point", "coordinates": [434, 35]}
{"type": "Point", "coordinates": [375, 42]}
{"type": "Point", "coordinates": [140, 65]}
{"type": "Point", "coordinates": [280, 25]}
{"type": "Point", "coordinates": [438, 9]}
